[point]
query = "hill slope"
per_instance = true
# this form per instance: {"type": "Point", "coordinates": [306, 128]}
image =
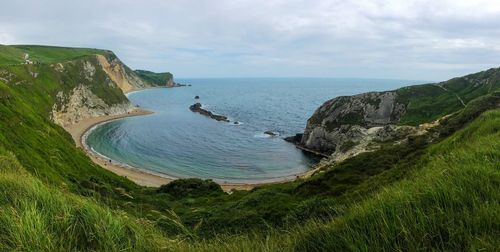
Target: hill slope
{"type": "Point", "coordinates": [354, 122]}
{"type": "Point", "coordinates": [157, 79]}
{"type": "Point", "coordinates": [15, 54]}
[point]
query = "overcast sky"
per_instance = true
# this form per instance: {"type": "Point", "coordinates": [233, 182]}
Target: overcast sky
{"type": "Point", "coordinates": [425, 40]}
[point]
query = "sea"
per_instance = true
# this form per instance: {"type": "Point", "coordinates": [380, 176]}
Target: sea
{"type": "Point", "coordinates": [179, 143]}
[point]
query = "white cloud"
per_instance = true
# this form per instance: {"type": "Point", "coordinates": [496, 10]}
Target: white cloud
{"type": "Point", "coordinates": [364, 38]}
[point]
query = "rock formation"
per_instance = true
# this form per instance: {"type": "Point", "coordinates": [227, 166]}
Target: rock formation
{"type": "Point", "coordinates": [126, 79]}
{"type": "Point", "coordinates": [97, 85]}
{"type": "Point", "coordinates": [198, 109]}
{"type": "Point", "coordinates": [82, 104]}
{"type": "Point", "coordinates": [345, 118]}
{"type": "Point", "coordinates": [270, 133]}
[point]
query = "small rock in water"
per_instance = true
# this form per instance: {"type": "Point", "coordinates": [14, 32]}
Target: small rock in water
{"type": "Point", "coordinates": [197, 97]}
{"type": "Point", "coordinates": [270, 133]}
{"type": "Point", "coordinates": [236, 122]}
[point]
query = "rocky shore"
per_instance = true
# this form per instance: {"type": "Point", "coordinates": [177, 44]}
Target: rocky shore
{"type": "Point", "coordinates": [197, 108]}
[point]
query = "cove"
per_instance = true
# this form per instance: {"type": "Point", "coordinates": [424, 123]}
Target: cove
{"type": "Point", "coordinates": [177, 142]}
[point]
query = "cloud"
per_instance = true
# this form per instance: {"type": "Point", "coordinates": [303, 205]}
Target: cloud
{"type": "Point", "coordinates": [431, 40]}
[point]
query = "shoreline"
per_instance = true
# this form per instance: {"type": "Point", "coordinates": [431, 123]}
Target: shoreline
{"type": "Point", "coordinates": [139, 176]}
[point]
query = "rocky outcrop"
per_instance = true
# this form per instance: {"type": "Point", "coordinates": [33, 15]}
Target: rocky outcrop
{"type": "Point", "coordinates": [83, 104]}
{"type": "Point", "coordinates": [126, 79]}
{"type": "Point", "coordinates": [96, 86]}
{"type": "Point", "coordinates": [171, 83]}
{"type": "Point", "coordinates": [347, 118]}
{"type": "Point", "coordinates": [198, 109]}
{"type": "Point", "coordinates": [347, 125]}
{"type": "Point", "coordinates": [271, 133]}
{"type": "Point", "coordinates": [294, 139]}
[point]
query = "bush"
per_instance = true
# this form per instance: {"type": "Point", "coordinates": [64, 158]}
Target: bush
{"type": "Point", "coordinates": [192, 187]}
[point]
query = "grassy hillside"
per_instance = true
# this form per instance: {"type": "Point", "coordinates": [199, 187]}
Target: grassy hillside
{"type": "Point", "coordinates": [37, 217]}
{"type": "Point", "coordinates": [156, 79]}
{"type": "Point", "coordinates": [447, 201]}
{"type": "Point", "coordinates": [426, 103]}
{"type": "Point", "coordinates": [417, 195]}
{"type": "Point", "coordinates": [450, 202]}
{"type": "Point", "coordinates": [44, 54]}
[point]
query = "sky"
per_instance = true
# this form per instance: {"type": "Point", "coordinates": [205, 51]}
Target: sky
{"type": "Point", "coordinates": [395, 39]}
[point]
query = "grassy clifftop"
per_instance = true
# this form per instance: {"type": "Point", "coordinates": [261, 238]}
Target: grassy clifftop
{"type": "Point", "coordinates": [429, 102]}
{"type": "Point", "coordinates": [156, 79]}
{"type": "Point", "coordinates": [44, 54]}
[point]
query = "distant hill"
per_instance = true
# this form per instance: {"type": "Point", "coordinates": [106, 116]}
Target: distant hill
{"type": "Point", "coordinates": [156, 79]}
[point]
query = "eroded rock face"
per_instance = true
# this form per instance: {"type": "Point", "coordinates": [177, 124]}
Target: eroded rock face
{"type": "Point", "coordinates": [79, 103]}
{"type": "Point", "coordinates": [170, 83]}
{"type": "Point", "coordinates": [121, 75]}
{"type": "Point", "coordinates": [347, 119]}
{"type": "Point", "coordinates": [83, 104]}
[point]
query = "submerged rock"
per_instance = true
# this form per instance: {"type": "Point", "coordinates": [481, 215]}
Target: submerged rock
{"type": "Point", "coordinates": [268, 132]}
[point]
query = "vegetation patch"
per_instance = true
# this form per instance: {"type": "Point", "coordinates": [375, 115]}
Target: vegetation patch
{"type": "Point", "coordinates": [192, 187]}
{"type": "Point", "coordinates": [347, 145]}
{"type": "Point", "coordinates": [156, 79]}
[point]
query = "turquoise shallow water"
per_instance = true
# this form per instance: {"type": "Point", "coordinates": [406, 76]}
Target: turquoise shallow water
{"type": "Point", "coordinates": [177, 142]}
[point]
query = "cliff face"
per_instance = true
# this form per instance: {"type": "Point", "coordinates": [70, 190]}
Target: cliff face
{"type": "Point", "coordinates": [81, 104]}
{"type": "Point", "coordinates": [80, 82]}
{"type": "Point", "coordinates": [126, 79]}
{"type": "Point", "coordinates": [170, 83]}
{"type": "Point", "coordinates": [344, 119]}
{"type": "Point", "coordinates": [349, 125]}
{"type": "Point", "coordinates": [93, 86]}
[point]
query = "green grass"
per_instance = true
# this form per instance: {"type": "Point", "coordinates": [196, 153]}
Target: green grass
{"type": "Point", "coordinates": [452, 203]}
{"type": "Point", "coordinates": [36, 217]}
{"type": "Point", "coordinates": [155, 79]}
{"type": "Point", "coordinates": [44, 54]}
{"type": "Point", "coordinates": [44, 148]}
{"type": "Point", "coordinates": [429, 102]}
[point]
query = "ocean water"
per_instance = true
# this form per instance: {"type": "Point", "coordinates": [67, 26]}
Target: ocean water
{"type": "Point", "coordinates": [177, 142]}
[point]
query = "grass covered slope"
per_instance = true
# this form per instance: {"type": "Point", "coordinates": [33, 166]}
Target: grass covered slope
{"type": "Point", "coordinates": [37, 217]}
{"type": "Point", "coordinates": [156, 79]}
{"type": "Point", "coordinates": [44, 148]}
{"type": "Point", "coordinates": [426, 103]}
{"type": "Point", "coordinates": [451, 203]}
{"type": "Point", "coordinates": [44, 54]}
